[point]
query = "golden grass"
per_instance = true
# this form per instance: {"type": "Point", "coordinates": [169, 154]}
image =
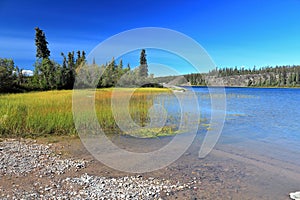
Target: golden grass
{"type": "Point", "coordinates": [41, 113]}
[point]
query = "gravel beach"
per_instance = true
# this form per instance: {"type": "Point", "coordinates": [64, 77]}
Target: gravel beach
{"type": "Point", "coordinates": [25, 157]}
{"type": "Point", "coordinates": [64, 169]}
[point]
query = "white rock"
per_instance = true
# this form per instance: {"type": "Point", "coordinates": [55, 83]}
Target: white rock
{"type": "Point", "coordinates": [295, 195]}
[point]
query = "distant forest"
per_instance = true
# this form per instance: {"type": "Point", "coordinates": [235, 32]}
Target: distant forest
{"type": "Point", "coordinates": [49, 75]}
{"type": "Point", "coordinates": [279, 76]}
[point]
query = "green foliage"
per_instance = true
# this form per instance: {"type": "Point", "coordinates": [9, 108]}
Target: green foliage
{"type": "Point", "coordinates": [10, 76]}
{"type": "Point", "coordinates": [143, 68]}
{"type": "Point", "coordinates": [109, 76]}
{"type": "Point", "coordinates": [195, 79]}
{"type": "Point", "coordinates": [49, 75]}
{"type": "Point", "coordinates": [46, 74]}
{"type": "Point", "coordinates": [41, 43]}
{"type": "Point", "coordinates": [143, 60]}
{"type": "Point", "coordinates": [88, 76]}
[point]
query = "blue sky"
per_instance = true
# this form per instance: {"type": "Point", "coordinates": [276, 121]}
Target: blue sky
{"type": "Point", "coordinates": [234, 33]}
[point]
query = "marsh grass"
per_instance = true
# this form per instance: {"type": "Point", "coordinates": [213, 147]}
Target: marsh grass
{"type": "Point", "coordinates": [35, 114]}
{"type": "Point", "coordinates": [50, 113]}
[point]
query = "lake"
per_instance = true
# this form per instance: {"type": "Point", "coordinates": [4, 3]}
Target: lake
{"type": "Point", "coordinates": [255, 157]}
{"type": "Point", "coordinates": [264, 115]}
{"type": "Point", "coordinates": [262, 128]}
{"type": "Point", "coordinates": [261, 133]}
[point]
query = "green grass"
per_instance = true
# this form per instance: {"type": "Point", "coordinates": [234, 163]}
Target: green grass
{"type": "Point", "coordinates": [50, 113]}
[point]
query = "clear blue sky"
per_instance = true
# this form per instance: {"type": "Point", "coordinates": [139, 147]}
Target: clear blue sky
{"type": "Point", "coordinates": [234, 33]}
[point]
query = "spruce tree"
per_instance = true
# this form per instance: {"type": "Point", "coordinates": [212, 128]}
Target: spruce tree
{"type": "Point", "coordinates": [143, 69]}
{"type": "Point", "coordinates": [45, 74]}
{"type": "Point", "coordinates": [41, 43]}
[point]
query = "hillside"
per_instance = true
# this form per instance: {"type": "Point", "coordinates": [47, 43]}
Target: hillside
{"type": "Point", "coordinates": [279, 76]}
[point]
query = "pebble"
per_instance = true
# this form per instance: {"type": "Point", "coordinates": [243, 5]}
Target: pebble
{"type": "Point", "coordinates": [21, 158]}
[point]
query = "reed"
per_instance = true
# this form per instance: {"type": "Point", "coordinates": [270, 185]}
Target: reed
{"type": "Point", "coordinates": [43, 113]}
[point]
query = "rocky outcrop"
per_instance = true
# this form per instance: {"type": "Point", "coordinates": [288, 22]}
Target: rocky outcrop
{"type": "Point", "coordinates": [249, 80]}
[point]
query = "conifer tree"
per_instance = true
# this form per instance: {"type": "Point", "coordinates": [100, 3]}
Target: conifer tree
{"type": "Point", "coordinates": [143, 69]}
{"type": "Point", "coordinates": [41, 44]}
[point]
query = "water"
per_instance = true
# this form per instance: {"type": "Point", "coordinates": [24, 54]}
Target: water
{"type": "Point", "coordinates": [257, 155]}
{"type": "Point", "coordinates": [265, 115]}
{"type": "Point", "coordinates": [258, 113]}
{"type": "Point", "coordinates": [261, 129]}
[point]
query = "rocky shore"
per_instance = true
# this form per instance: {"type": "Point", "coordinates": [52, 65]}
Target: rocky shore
{"type": "Point", "coordinates": [21, 159]}
{"type": "Point", "coordinates": [61, 168]}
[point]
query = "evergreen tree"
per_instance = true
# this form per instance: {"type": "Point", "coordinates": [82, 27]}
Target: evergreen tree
{"type": "Point", "coordinates": [41, 43]}
{"type": "Point", "coordinates": [64, 72]}
{"type": "Point", "coordinates": [80, 59]}
{"type": "Point", "coordinates": [128, 67]}
{"type": "Point", "coordinates": [109, 76]}
{"type": "Point", "coordinates": [70, 70]}
{"type": "Point", "coordinates": [143, 69]}
{"type": "Point", "coordinates": [45, 74]}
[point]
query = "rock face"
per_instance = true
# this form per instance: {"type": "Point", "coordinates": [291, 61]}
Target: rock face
{"type": "Point", "coordinates": [233, 81]}
{"type": "Point", "coordinates": [237, 80]}
{"type": "Point", "coordinates": [252, 80]}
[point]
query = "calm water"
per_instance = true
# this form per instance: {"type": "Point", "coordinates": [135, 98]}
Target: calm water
{"type": "Point", "coordinates": [268, 115]}
{"type": "Point", "coordinates": [261, 128]}
{"type": "Point", "coordinates": [260, 139]}
{"type": "Point", "coordinates": [264, 115]}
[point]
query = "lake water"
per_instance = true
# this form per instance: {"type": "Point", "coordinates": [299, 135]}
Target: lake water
{"type": "Point", "coordinates": [261, 130]}
{"type": "Point", "coordinates": [257, 155]}
{"type": "Point", "coordinates": [267, 115]}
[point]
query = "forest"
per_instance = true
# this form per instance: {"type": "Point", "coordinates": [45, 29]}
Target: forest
{"type": "Point", "coordinates": [50, 75]}
{"type": "Point", "coordinates": [278, 76]}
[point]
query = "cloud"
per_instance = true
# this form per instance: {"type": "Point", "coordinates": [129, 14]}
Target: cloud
{"type": "Point", "coordinates": [27, 72]}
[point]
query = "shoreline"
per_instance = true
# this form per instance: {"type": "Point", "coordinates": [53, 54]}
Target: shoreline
{"type": "Point", "coordinates": [222, 175]}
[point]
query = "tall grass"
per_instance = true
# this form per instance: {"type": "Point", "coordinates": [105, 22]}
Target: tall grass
{"type": "Point", "coordinates": [41, 113]}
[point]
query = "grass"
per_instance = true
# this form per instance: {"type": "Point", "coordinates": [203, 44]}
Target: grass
{"type": "Point", "coordinates": [35, 114]}
{"type": "Point", "coordinates": [50, 113]}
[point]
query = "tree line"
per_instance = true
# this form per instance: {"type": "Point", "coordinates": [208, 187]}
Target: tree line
{"type": "Point", "coordinates": [50, 75]}
{"type": "Point", "coordinates": [278, 76]}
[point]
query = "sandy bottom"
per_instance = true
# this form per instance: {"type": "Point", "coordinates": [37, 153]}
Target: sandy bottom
{"type": "Point", "coordinates": [230, 171]}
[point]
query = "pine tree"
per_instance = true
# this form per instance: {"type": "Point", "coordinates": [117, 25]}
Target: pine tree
{"type": "Point", "coordinates": [80, 59]}
{"type": "Point", "coordinates": [71, 70]}
{"type": "Point", "coordinates": [143, 69]}
{"type": "Point", "coordinates": [41, 43]}
{"type": "Point", "coordinates": [108, 77]}
{"type": "Point", "coordinates": [128, 67]}
{"type": "Point", "coordinates": [64, 72]}
{"type": "Point", "coordinates": [45, 74]}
